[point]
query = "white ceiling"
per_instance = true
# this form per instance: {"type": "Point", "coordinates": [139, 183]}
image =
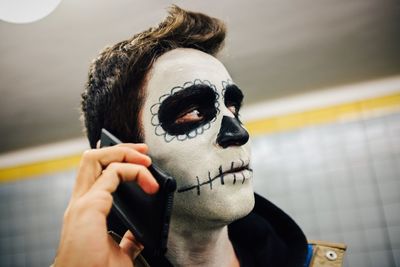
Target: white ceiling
{"type": "Point", "coordinates": [275, 48]}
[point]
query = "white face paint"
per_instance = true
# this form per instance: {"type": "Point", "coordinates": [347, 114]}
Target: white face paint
{"type": "Point", "coordinates": [214, 180]}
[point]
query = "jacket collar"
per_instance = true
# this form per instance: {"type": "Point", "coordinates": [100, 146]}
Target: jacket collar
{"type": "Point", "coordinates": [268, 237]}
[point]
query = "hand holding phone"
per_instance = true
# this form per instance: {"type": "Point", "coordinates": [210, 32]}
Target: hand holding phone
{"type": "Point", "coordinates": [146, 216]}
{"type": "Point", "coordinates": [84, 227]}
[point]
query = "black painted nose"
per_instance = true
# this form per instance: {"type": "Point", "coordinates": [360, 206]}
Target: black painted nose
{"type": "Point", "coordinates": [231, 133]}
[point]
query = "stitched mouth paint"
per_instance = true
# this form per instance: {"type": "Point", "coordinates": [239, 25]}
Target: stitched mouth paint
{"type": "Point", "coordinates": [240, 173]}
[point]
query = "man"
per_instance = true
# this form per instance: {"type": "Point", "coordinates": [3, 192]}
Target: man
{"type": "Point", "coordinates": [166, 96]}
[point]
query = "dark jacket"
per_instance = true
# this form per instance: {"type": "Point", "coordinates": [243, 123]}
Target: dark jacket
{"type": "Point", "coordinates": [268, 237]}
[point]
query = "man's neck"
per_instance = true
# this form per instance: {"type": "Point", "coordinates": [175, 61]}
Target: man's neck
{"type": "Point", "coordinates": [195, 245]}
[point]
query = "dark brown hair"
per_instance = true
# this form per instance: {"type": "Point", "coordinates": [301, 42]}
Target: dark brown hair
{"type": "Point", "coordinates": [115, 89]}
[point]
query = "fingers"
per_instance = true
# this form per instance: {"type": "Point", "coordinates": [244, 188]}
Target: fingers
{"type": "Point", "coordinates": [122, 172]}
{"type": "Point", "coordinates": [142, 148]}
{"type": "Point", "coordinates": [94, 161]}
{"type": "Point", "coordinates": [130, 245]}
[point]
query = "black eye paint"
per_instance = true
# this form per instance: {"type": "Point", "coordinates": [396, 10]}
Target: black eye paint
{"type": "Point", "coordinates": [233, 96]}
{"type": "Point", "coordinates": [200, 97]}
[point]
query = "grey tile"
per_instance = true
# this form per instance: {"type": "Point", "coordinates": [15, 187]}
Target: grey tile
{"type": "Point", "coordinates": [327, 221]}
{"type": "Point", "coordinates": [17, 227]}
{"type": "Point", "coordinates": [355, 240]}
{"type": "Point", "coordinates": [356, 152]}
{"type": "Point", "coordinates": [367, 194]}
{"type": "Point", "coordinates": [353, 133]}
{"type": "Point", "coordinates": [379, 148]}
{"type": "Point", "coordinates": [5, 245]}
{"type": "Point", "coordinates": [272, 185]}
{"type": "Point", "coordinates": [390, 191]}
{"type": "Point", "coordinates": [382, 258]}
{"type": "Point", "coordinates": [332, 153]}
{"type": "Point", "coordinates": [393, 126]}
{"type": "Point", "coordinates": [288, 147]}
{"type": "Point", "coordinates": [50, 238]}
{"type": "Point", "coordinates": [4, 209]}
{"type": "Point", "coordinates": [297, 183]}
{"type": "Point", "coordinates": [293, 165]}
{"type": "Point", "coordinates": [338, 163]}
{"type": "Point", "coordinates": [392, 214]}
{"type": "Point", "coordinates": [318, 180]}
{"type": "Point", "coordinates": [385, 169]}
{"type": "Point", "coordinates": [6, 260]}
{"type": "Point", "coordinates": [371, 216]}
{"type": "Point", "coordinates": [361, 173]}
{"type": "Point", "coordinates": [394, 235]}
{"type": "Point", "coordinates": [17, 244]}
{"type": "Point", "coordinates": [396, 254]}
{"type": "Point", "coordinates": [394, 143]}
{"type": "Point", "coordinates": [4, 229]}
{"type": "Point", "coordinates": [32, 241]}
{"type": "Point", "coordinates": [339, 178]}
{"type": "Point", "coordinates": [349, 219]}
{"type": "Point", "coordinates": [19, 260]}
{"type": "Point", "coordinates": [374, 128]}
{"type": "Point", "coordinates": [323, 200]}
{"type": "Point", "coordinates": [34, 258]}
{"type": "Point", "coordinates": [345, 198]}
{"type": "Point", "coordinates": [332, 236]}
{"type": "Point", "coordinates": [302, 202]}
{"type": "Point", "coordinates": [377, 239]}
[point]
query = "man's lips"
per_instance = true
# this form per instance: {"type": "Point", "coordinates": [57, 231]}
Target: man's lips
{"type": "Point", "coordinates": [235, 170]}
{"type": "Point", "coordinates": [235, 167]}
{"type": "Point", "coordinates": [232, 170]}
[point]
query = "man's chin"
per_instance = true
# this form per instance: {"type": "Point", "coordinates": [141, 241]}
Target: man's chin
{"type": "Point", "coordinates": [237, 208]}
{"type": "Point", "coordinates": [218, 206]}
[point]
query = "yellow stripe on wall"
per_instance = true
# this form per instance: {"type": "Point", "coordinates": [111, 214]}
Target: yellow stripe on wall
{"type": "Point", "coordinates": [263, 126]}
{"type": "Point", "coordinates": [323, 115]}
{"type": "Point", "coordinates": [38, 168]}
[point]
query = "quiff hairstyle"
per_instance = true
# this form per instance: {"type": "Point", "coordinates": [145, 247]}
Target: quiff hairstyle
{"type": "Point", "coordinates": [114, 92]}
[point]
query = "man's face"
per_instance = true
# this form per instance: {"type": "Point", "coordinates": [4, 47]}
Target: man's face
{"type": "Point", "coordinates": [191, 125]}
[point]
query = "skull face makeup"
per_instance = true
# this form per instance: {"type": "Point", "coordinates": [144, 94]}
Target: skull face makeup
{"type": "Point", "coordinates": [191, 125]}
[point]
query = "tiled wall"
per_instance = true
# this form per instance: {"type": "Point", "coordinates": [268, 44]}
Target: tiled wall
{"type": "Point", "coordinates": [31, 212]}
{"type": "Point", "coordinates": [339, 181]}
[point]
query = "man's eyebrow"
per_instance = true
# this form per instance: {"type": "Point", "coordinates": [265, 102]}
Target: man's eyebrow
{"type": "Point", "coordinates": [233, 93]}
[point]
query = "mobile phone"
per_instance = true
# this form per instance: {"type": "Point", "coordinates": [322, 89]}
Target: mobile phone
{"type": "Point", "coordinates": [146, 216]}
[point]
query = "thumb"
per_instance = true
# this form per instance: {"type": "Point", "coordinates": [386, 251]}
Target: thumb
{"type": "Point", "coordinates": [130, 245]}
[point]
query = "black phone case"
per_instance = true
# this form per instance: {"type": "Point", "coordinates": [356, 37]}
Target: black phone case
{"type": "Point", "coordinates": [146, 216]}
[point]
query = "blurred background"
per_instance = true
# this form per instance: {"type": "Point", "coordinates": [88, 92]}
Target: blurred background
{"type": "Point", "coordinates": [322, 100]}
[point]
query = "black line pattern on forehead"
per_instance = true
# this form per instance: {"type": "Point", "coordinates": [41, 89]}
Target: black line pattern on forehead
{"type": "Point", "coordinates": [159, 131]}
{"type": "Point", "coordinates": [210, 180]}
